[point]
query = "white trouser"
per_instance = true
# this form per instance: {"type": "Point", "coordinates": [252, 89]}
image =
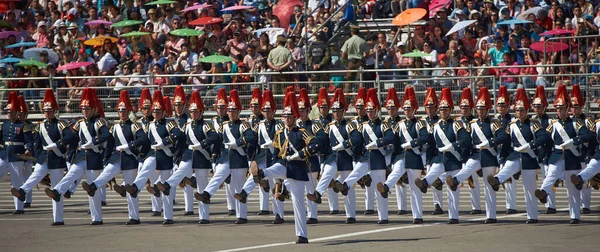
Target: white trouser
{"type": "Point", "coordinates": [102, 192]}
{"type": "Point", "coordinates": [17, 178]}
{"type": "Point", "coordinates": [75, 173]}
{"type": "Point", "coordinates": [167, 201]}
{"type": "Point", "coordinates": [132, 203]}
{"type": "Point", "coordinates": [586, 193]}
{"type": "Point", "coordinates": [333, 199]}
{"type": "Point", "coordinates": [182, 171]}
{"type": "Point", "coordinates": [188, 191]}
{"type": "Point", "coordinates": [369, 190]}
{"type": "Point", "coordinates": [329, 171]}
{"type": "Point", "coordinates": [238, 177]}
{"type": "Point", "coordinates": [350, 199]}
{"type": "Point", "coordinates": [201, 182]}
{"type": "Point", "coordinates": [96, 201]}
{"type": "Point", "coordinates": [26, 174]}
{"type": "Point", "coordinates": [3, 168]}
{"type": "Point", "coordinates": [296, 188]}
{"type": "Point", "coordinates": [382, 203]}
{"type": "Point", "coordinates": [555, 171]}
{"type": "Point", "coordinates": [508, 169]}
{"type": "Point", "coordinates": [475, 193]}
{"type": "Point", "coordinates": [359, 170]}
{"type": "Point", "coordinates": [470, 169]}
{"type": "Point", "coordinates": [416, 197]}
{"type": "Point", "coordinates": [77, 181]}
{"type": "Point", "coordinates": [490, 194]}
{"type": "Point", "coordinates": [401, 192]}
{"type": "Point", "coordinates": [510, 189]}
{"type": "Point", "coordinates": [437, 194]}
{"type": "Point", "coordinates": [573, 195]}
{"type": "Point", "coordinates": [592, 168]}
{"type": "Point", "coordinates": [453, 198]}
{"type": "Point", "coordinates": [249, 186]}
{"type": "Point", "coordinates": [528, 178]}
{"type": "Point", "coordinates": [221, 173]}
{"type": "Point", "coordinates": [109, 172]}
{"type": "Point", "coordinates": [38, 174]}
{"type": "Point", "coordinates": [398, 169]}
{"type": "Point", "coordinates": [157, 205]}
{"type": "Point", "coordinates": [551, 203]}
{"type": "Point", "coordinates": [147, 171]}
{"type": "Point", "coordinates": [56, 176]}
{"type": "Point", "coordinates": [310, 189]}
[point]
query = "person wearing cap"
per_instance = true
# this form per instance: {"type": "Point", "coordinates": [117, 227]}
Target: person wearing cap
{"type": "Point", "coordinates": [526, 135]}
{"type": "Point", "coordinates": [450, 138]}
{"type": "Point", "coordinates": [427, 154]}
{"type": "Point", "coordinates": [293, 146]}
{"type": "Point", "coordinates": [279, 60]}
{"type": "Point", "coordinates": [238, 140]}
{"type": "Point", "coordinates": [163, 135]}
{"type": "Point", "coordinates": [319, 58]}
{"type": "Point", "coordinates": [353, 51]}
{"type": "Point", "coordinates": [364, 182]}
{"type": "Point", "coordinates": [317, 130]}
{"type": "Point", "coordinates": [539, 105]}
{"type": "Point", "coordinates": [129, 138]}
{"type": "Point", "coordinates": [568, 134]}
{"type": "Point", "coordinates": [502, 106]}
{"type": "Point", "coordinates": [200, 137]}
{"type": "Point", "coordinates": [94, 135]}
{"type": "Point", "coordinates": [344, 141]}
{"type": "Point", "coordinates": [442, 21]}
{"type": "Point", "coordinates": [459, 9]}
{"type": "Point", "coordinates": [264, 156]}
{"type": "Point", "coordinates": [323, 104]}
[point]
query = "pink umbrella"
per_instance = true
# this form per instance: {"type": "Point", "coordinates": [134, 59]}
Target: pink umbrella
{"type": "Point", "coordinates": [237, 7]}
{"type": "Point", "coordinates": [195, 7]}
{"type": "Point", "coordinates": [6, 34]}
{"type": "Point", "coordinates": [436, 5]}
{"type": "Point", "coordinates": [284, 10]}
{"type": "Point", "coordinates": [73, 65]}
{"type": "Point", "coordinates": [98, 22]}
{"type": "Point", "coordinates": [206, 21]}
{"type": "Point", "coordinates": [549, 47]}
{"type": "Point", "coordinates": [557, 32]}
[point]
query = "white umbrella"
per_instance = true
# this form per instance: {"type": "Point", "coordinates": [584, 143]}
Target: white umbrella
{"type": "Point", "coordinates": [526, 13]}
{"type": "Point", "coordinates": [34, 53]}
{"type": "Point", "coordinates": [259, 31]}
{"type": "Point", "coordinates": [459, 26]}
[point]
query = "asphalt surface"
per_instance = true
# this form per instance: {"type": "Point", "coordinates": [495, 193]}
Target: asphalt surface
{"type": "Point", "coordinates": [32, 231]}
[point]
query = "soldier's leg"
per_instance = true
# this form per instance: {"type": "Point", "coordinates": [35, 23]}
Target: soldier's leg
{"type": "Point", "coordinates": [229, 195]}
{"type": "Point", "coordinates": [398, 169]}
{"type": "Point", "coordinates": [416, 197]}
{"type": "Point", "coordinates": [370, 196]}
{"type": "Point", "coordinates": [508, 169]}
{"type": "Point", "coordinates": [586, 193]}
{"type": "Point", "coordinates": [16, 179]}
{"type": "Point", "coordinates": [148, 169]}
{"type": "Point", "coordinates": [511, 194]}
{"type": "Point", "coordinates": [56, 176]}
{"type": "Point", "coordinates": [490, 194]}
{"type": "Point", "coordinates": [188, 195]}
{"type": "Point", "coordinates": [297, 191]}
{"type": "Point", "coordinates": [350, 199]}
{"type": "Point", "coordinates": [109, 172]}
{"type": "Point", "coordinates": [26, 174]}
{"type": "Point", "coordinates": [529, 186]}
{"type": "Point", "coordinates": [329, 171]}
{"type": "Point", "coordinates": [75, 172]}
{"type": "Point", "coordinates": [96, 200]}
{"type": "Point", "coordinates": [132, 203]}
{"type": "Point", "coordinates": [40, 172]}
{"type": "Point", "coordinates": [238, 177]}
{"type": "Point", "coordinates": [474, 193]}
{"type": "Point", "coordinates": [183, 169]}
{"type": "Point", "coordinates": [359, 170]}
{"type": "Point", "coordinates": [310, 189]}
{"type": "Point", "coordinates": [453, 198]}
{"type": "Point", "coordinates": [468, 169]}
{"type": "Point", "coordinates": [278, 209]}
{"type": "Point", "coordinates": [157, 205]}
{"type": "Point", "coordinates": [167, 200]}
{"type": "Point", "coordinates": [592, 168]}
{"type": "Point", "coordinates": [221, 173]}
{"type": "Point", "coordinates": [201, 182]}
{"type": "Point", "coordinates": [555, 171]}
{"type": "Point", "coordinates": [573, 195]}
{"type": "Point", "coordinates": [333, 199]}
{"type": "Point", "coordinates": [401, 191]}
{"type": "Point", "coordinates": [382, 203]}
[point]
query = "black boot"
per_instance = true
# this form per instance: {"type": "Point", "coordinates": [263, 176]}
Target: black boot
{"type": "Point", "coordinates": [241, 196]}
{"type": "Point", "coordinates": [204, 197]}
{"type": "Point", "coordinates": [89, 188]}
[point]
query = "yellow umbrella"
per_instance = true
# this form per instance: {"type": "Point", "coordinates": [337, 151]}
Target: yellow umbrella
{"type": "Point", "coordinates": [98, 41]}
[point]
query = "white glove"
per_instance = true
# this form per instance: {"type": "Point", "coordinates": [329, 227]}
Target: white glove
{"type": "Point", "coordinates": [87, 145]}
{"type": "Point", "coordinates": [483, 145]}
{"type": "Point", "coordinates": [406, 145]}
{"type": "Point", "coordinates": [195, 147]}
{"type": "Point", "coordinates": [266, 145]}
{"type": "Point", "coordinates": [123, 147]}
{"type": "Point", "coordinates": [522, 148]}
{"type": "Point", "coordinates": [567, 144]}
{"type": "Point", "coordinates": [371, 146]}
{"type": "Point", "coordinates": [50, 147]}
{"type": "Point", "coordinates": [338, 147]}
{"type": "Point", "coordinates": [296, 156]}
{"type": "Point", "coordinates": [446, 148]}
{"type": "Point", "coordinates": [158, 146]}
{"type": "Point", "coordinates": [231, 145]}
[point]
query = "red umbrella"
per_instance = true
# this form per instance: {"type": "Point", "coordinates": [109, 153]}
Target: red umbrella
{"type": "Point", "coordinates": [73, 65]}
{"type": "Point", "coordinates": [237, 7]}
{"type": "Point", "coordinates": [549, 47]}
{"type": "Point", "coordinates": [206, 21]}
{"type": "Point", "coordinates": [557, 32]}
{"type": "Point", "coordinates": [284, 10]}
{"type": "Point", "coordinates": [436, 5]}
{"type": "Point", "coordinates": [409, 16]}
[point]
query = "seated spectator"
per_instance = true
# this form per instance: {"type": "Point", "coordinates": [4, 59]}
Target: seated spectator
{"type": "Point", "coordinates": [509, 75]}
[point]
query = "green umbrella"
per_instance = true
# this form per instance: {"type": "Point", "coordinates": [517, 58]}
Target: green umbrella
{"type": "Point", "coordinates": [125, 23]}
{"type": "Point", "coordinates": [416, 54]}
{"type": "Point", "coordinates": [29, 63]}
{"type": "Point", "coordinates": [216, 59]}
{"type": "Point", "coordinates": [134, 33]}
{"type": "Point", "coordinates": [186, 32]}
{"type": "Point", "coordinates": [161, 2]}
{"type": "Point", "coordinates": [4, 24]}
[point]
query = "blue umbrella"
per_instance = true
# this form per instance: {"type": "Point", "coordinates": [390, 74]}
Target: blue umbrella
{"type": "Point", "coordinates": [21, 44]}
{"type": "Point", "coordinates": [514, 21]}
{"type": "Point", "coordinates": [10, 59]}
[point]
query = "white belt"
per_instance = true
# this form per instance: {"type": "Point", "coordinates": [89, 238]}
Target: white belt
{"type": "Point", "coordinates": [9, 143]}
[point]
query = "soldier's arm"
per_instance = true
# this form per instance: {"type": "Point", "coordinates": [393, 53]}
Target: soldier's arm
{"type": "Point", "coordinates": [541, 136]}
{"type": "Point", "coordinates": [312, 145]}
{"type": "Point", "coordinates": [212, 137]}
{"type": "Point", "coordinates": [501, 137]}
{"type": "Point", "coordinates": [68, 137]}
{"type": "Point", "coordinates": [464, 139]}
{"type": "Point", "coordinates": [421, 127]}
{"type": "Point", "coordinates": [585, 135]}
{"type": "Point", "coordinates": [388, 136]}
{"type": "Point", "coordinates": [174, 133]}
{"type": "Point", "coordinates": [110, 145]}
{"type": "Point", "coordinates": [355, 137]}
{"type": "Point", "coordinates": [28, 136]}
{"type": "Point", "coordinates": [103, 132]}
{"type": "Point", "coordinates": [249, 139]}
{"type": "Point", "coordinates": [141, 138]}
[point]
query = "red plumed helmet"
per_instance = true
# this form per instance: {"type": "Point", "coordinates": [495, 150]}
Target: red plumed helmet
{"type": "Point", "coordinates": [268, 102]}
{"type": "Point", "coordinates": [372, 100]}
{"type": "Point", "coordinates": [124, 103]}
{"type": "Point", "coordinates": [49, 102]}
{"type": "Point", "coordinates": [179, 95]}
{"type": "Point", "coordinates": [196, 102]}
{"type": "Point", "coordinates": [466, 99]}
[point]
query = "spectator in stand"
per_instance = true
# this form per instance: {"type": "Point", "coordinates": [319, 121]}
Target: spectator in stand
{"type": "Point", "coordinates": [417, 39]}
{"type": "Point", "coordinates": [443, 71]}
{"type": "Point", "coordinates": [497, 52]}
{"type": "Point", "coordinates": [429, 61]}
{"type": "Point", "coordinates": [236, 46]}
{"type": "Point", "coordinates": [353, 51]}
{"type": "Point", "coordinates": [279, 60]}
{"type": "Point", "coordinates": [529, 73]}
{"type": "Point", "coordinates": [264, 45]}
{"type": "Point", "coordinates": [41, 36]}
{"type": "Point", "coordinates": [138, 82]}
{"type": "Point", "coordinates": [509, 75]}
{"type": "Point", "coordinates": [22, 83]}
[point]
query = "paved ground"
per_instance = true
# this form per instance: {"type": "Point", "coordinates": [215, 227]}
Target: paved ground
{"type": "Point", "coordinates": [32, 231]}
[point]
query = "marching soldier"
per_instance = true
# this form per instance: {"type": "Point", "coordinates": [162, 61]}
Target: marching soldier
{"type": "Point", "coordinates": [93, 131]}
{"type": "Point", "coordinates": [293, 147]}
{"type": "Point", "coordinates": [238, 140]}
{"type": "Point", "coordinates": [540, 103]}
{"type": "Point", "coordinates": [431, 109]}
{"type": "Point", "coordinates": [27, 166]}
{"type": "Point", "coordinates": [365, 181]}
{"type": "Point", "coordinates": [568, 134]}
{"type": "Point", "coordinates": [179, 102]}
{"type": "Point", "coordinates": [526, 135]}
{"type": "Point", "coordinates": [344, 141]}
{"type": "Point", "coordinates": [54, 138]}
{"type": "Point", "coordinates": [487, 133]}
{"type": "Point", "coordinates": [592, 170]}
{"type": "Point", "coordinates": [200, 136]}
{"type": "Point", "coordinates": [577, 102]}
{"type": "Point", "coordinates": [129, 139]}
{"type": "Point", "coordinates": [323, 103]}
{"type": "Point", "coordinates": [450, 138]}
{"type": "Point", "coordinates": [316, 129]}
{"type": "Point", "coordinates": [265, 155]}
{"type": "Point", "coordinates": [466, 111]}
{"type": "Point", "coordinates": [502, 106]}
{"type": "Point", "coordinates": [411, 136]}
{"type": "Point", "coordinates": [222, 116]}
{"type": "Point", "coordinates": [254, 119]}
{"type": "Point", "coordinates": [163, 135]}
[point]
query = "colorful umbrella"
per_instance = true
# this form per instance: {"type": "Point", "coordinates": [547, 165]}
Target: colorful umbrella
{"type": "Point", "coordinates": [195, 7]}
{"type": "Point", "coordinates": [409, 16]}
{"type": "Point", "coordinates": [259, 31]}
{"type": "Point", "coordinates": [557, 32]}
{"type": "Point", "coordinates": [284, 10]}
{"type": "Point", "coordinates": [436, 5]}
{"type": "Point", "coordinates": [206, 21]}
{"type": "Point", "coordinates": [216, 59]}
{"type": "Point", "coordinates": [134, 33]}
{"type": "Point", "coordinates": [161, 2]}
{"type": "Point", "coordinates": [460, 25]}
{"type": "Point", "coordinates": [125, 23]}
{"type": "Point", "coordinates": [186, 32]}
{"type": "Point", "coordinates": [34, 53]}
{"type": "Point", "coordinates": [237, 7]}
{"type": "Point", "coordinates": [98, 22]}
{"type": "Point", "coordinates": [6, 34]}
{"type": "Point", "coordinates": [533, 11]}
{"type": "Point", "coordinates": [73, 65]}
{"type": "Point", "coordinates": [10, 59]}
{"type": "Point", "coordinates": [514, 22]}
{"type": "Point", "coordinates": [4, 24]}
{"type": "Point", "coordinates": [98, 41]}
{"type": "Point", "coordinates": [21, 44]}
{"type": "Point", "coordinates": [416, 54]}
{"type": "Point", "coordinates": [29, 63]}
{"type": "Point", "coordinates": [549, 46]}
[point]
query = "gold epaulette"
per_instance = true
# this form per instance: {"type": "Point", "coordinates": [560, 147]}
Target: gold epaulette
{"type": "Point", "coordinates": [171, 125]}
{"type": "Point", "coordinates": [536, 126]}
{"type": "Point", "coordinates": [579, 124]}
